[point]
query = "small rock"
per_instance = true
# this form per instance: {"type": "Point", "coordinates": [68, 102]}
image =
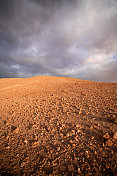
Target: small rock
{"type": "Point", "coordinates": [25, 141]}
{"type": "Point", "coordinates": [62, 169]}
{"type": "Point", "coordinates": [78, 169]}
{"type": "Point", "coordinates": [73, 131]}
{"type": "Point", "coordinates": [106, 136]}
{"type": "Point", "coordinates": [78, 131]}
{"type": "Point", "coordinates": [16, 130]}
{"type": "Point", "coordinates": [109, 143]}
{"type": "Point", "coordinates": [91, 127]}
{"type": "Point", "coordinates": [58, 149]}
{"type": "Point", "coordinates": [71, 141]}
{"type": "Point", "coordinates": [60, 128]}
{"type": "Point", "coordinates": [13, 127]}
{"type": "Point", "coordinates": [115, 136]}
{"type": "Point", "coordinates": [95, 126]}
{"type": "Point", "coordinates": [77, 126]}
{"type": "Point", "coordinates": [76, 138]}
{"type": "Point", "coordinates": [74, 145]}
{"type": "Point", "coordinates": [95, 152]}
{"type": "Point", "coordinates": [68, 134]}
{"type": "Point", "coordinates": [61, 134]}
{"type": "Point", "coordinates": [115, 120]}
{"type": "Point", "coordinates": [22, 164]}
{"type": "Point", "coordinates": [70, 167]}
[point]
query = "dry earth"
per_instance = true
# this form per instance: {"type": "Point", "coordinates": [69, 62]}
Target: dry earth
{"type": "Point", "coordinates": [57, 126]}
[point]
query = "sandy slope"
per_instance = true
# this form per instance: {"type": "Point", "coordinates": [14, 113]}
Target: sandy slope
{"type": "Point", "coordinates": [57, 126]}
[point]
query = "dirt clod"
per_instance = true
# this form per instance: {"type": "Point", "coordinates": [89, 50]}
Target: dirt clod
{"type": "Point", "coordinates": [109, 143]}
{"type": "Point", "coordinates": [106, 136]}
{"type": "Point", "coordinates": [115, 136]}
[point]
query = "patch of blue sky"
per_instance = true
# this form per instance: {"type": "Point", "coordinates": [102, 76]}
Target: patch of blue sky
{"type": "Point", "coordinates": [114, 57]}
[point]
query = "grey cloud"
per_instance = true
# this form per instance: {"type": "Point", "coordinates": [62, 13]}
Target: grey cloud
{"type": "Point", "coordinates": [58, 38]}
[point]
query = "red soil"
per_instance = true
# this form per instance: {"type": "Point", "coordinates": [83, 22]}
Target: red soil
{"type": "Point", "coordinates": [57, 126]}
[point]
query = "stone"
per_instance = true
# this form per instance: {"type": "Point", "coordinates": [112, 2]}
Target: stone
{"type": "Point", "coordinates": [23, 164]}
{"type": "Point", "coordinates": [91, 127]}
{"type": "Point", "coordinates": [109, 143]}
{"type": "Point", "coordinates": [77, 126]}
{"type": "Point", "coordinates": [115, 136]}
{"type": "Point", "coordinates": [16, 130]}
{"type": "Point", "coordinates": [106, 136]}
{"type": "Point", "coordinates": [58, 149]}
{"type": "Point", "coordinates": [80, 112]}
{"type": "Point", "coordinates": [78, 131]}
{"type": "Point", "coordinates": [76, 138]}
{"type": "Point", "coordinates": [115, 121]}
{"type": "Point", "coordinates": [71, 141]}
{"type": "Point", "coordinates": [8, 147]}
{"type": "Point", "coordinates": [68, 134]}
{"type": "Point", "coordinates": [78, 169]}
{"type": "Point", "coordinates": [25, 141]}
{"type": "Point", "coordinates": [73, 131]}
{"type": "Point", "coordinates": [70, 167]}
{"type": "Point", "coordinates": [13, 127]}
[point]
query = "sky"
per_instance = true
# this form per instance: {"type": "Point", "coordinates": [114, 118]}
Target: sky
{"type": "Point", "coordinates": [70, 38]}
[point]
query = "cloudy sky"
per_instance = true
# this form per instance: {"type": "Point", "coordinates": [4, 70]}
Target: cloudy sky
{"type": "Point", "coordinates": [75, 38]}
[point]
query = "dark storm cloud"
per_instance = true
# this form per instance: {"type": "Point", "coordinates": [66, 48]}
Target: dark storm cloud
{"type": "Point", "coordinates": [76, 38]}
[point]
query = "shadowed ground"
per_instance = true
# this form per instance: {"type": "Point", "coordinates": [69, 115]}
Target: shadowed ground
{"type": "Point", "coordinates": [57, 126]}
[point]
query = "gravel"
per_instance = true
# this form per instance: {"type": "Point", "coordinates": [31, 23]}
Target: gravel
{"type": "Point", "coordinates": [57, 126]}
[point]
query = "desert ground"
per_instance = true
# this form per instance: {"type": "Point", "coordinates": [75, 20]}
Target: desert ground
{"type": "Point", "coordinates": [57, 126]}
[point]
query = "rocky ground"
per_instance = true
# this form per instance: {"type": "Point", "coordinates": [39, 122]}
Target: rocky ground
{"type": "Point", "coordinates": [57, 126]}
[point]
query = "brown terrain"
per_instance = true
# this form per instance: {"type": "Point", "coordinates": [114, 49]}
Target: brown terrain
{"type": "Point", "coordinates": [58, 127]}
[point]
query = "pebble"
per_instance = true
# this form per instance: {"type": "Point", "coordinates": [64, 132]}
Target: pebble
{"type": "Point", "coordinates": [78, 131]}
{"type": "Point", "coordinates": [78, 169]}
{"type": "Point", "coordinates": [106, 136]}
{"type": "Point", "coordinates": [115, 121]}
{"type": "Point", "coordinates": [109, 143]}
{"type": "Point", "coordinates": [68, 134]}
{"type": "Point", "coordinates": [76, 138]}
{"type": "Point", "coordinates": [58, 149]}
{"type": "Point", "coordinates": [25, 141]}
{"type": "Point", "coordinates": [16, 130]}
{"type": "Point", "coordinates": [77, 126]}
{"type": "Point", "coordinates": [22, 164]}
{"type": "Point", "coordinates": [91, 127]}
{"type": "Point", "coordinates": [13, 127]}
{"type": "Point", "coordinates": [115, 136]}
{"type": "Point", "coordinates": [73, 131]}
{"type": "Point", "coordinates": [71, 141]}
